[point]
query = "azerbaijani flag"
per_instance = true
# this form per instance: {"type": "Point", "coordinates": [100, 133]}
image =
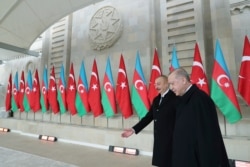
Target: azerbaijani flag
{"type": "Point", "coordinates": [27, 100]}
{"type": "Point", "coordinates": [174, 61]}
{"type": "Point", "coordinates": [44, 95]}
{"type": "Point", "coordinates": [139, 90]}
{"type": "Point", "coordinates": [61, 92]}
{"type": "Point", "coordinates": [108, 92]}
{"type": "Point", "coordinates": [222, 89]}
{"type": "Point", "coordinates": [14, 98]}
{"type": "Point", "coordinates": [82, 105]}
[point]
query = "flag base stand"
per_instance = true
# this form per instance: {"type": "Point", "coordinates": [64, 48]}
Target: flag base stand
{"type": "Point", "coordinates": [124, 150]}
{"type": "Point", "coordinates": [4, 130]}
{"type": "Point", "coordinates": [47, 138]}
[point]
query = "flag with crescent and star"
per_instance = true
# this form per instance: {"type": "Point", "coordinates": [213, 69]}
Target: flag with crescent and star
{"type": "Point", "coordinates": [44, 95]}
{"type": "Point", "coordinates": [52, 92]}
{"type": "Point", "coordinates": [36, 106]}
{"type": "Point", "coordinates": [21, 92]}
{"type": "Point", "coordinates": [94, 97]}
{"type": "Point", "coordinates": [8, 94]}
{"type": "Point", "coordinates": [244, 75]}
{"type": "Point", "coordinates": [155, 73]}
{"type": "Point", "coordinates": [108, 92]}
{"type": "Point", "coordinates": [198, 75]}
{"type": "Point", "coordinates": [82, 104]}
{"type": "Point", "coordinates": [222, 89]}
{"type": "Point", "coordinates": [71, 91]}
{"type": "Point", "coordinates": [61, 91]}
{"type": "Point", "coordinates": [15, 94]}
{"type": "Point", "coordinates": [27, 100]}
{"type": "Point", "coordinates": [122, 91]}
{"type": "Point", "coordinates": [139, 90]}
{"type": "Point", "coordinates": [174, 61]}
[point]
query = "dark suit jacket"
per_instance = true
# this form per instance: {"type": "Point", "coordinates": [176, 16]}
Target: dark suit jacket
{"type": "Point", "coordinates": [197, 139]}
{"type": "Point", "coordinates": [163, 116]}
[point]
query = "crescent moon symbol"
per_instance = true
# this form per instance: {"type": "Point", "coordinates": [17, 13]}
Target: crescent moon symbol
{"type": "Point", "coordinates": [72, 76]}
{"type": "Point", "coordinates": [78, 88]}
{"type": "Point", "coordinates": [43, 89]}
{"type": "Point", "coordinates": [22, 82]}
{"type": "Point", "coordinates": [136, 83]}
{"type": "Point", "coordinates": [61, 87]}
{"type": "Point", "coordinates": [53, 78]}
{"type": "Point", "coordinates": [105, 86]}
{"type": "Point", "coordinates": [27, 90]}
{"type": "Point", "coordinates": [245, 58]}
{"type": "Point", "coordinates": [196, 63]}
{"type": "Point", "coordinates": [122, 71]}
{"type": "Point", "coordinates": [154, 67]}
{"type": "Point", "coordinates": [220, 77]}
{"type": "Point", "coordinates": [94, 74]}
{"type": "Point", "coordinates": [14, 91]}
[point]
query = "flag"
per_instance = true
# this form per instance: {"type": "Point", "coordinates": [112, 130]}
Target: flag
{"type": "Point", "coordinates": [244, 75]}
{"type": "Point", "coordinates": [36, 93]}
{"type": "Point", "coordinates": [61, 92]}
{"type": "Point", "coordinates": [155, 73]}
{"type": "Point", "coordinates": [27, 99]}
{"type": "Point", "coordinates": [222, 90]}
{"type": "Point", "coordinates": [95, 92]}
{"type": "Point", "coordinates": [15, 94]}
{"type": "Point", "coordinates": [52, 93]}
{"type": "Point", "coordinates": [122, 91]}
{"type": "Point", "coordinates": [82, 104]}
{"type": "Point", "coordinates": [139, 90]}
{"type": "Point", "coordinates": [174, 61]}
{"type": "Point", "coordinates": [198, 75]}
{"type": "Point", "coordinates": [71, 92]}
{"type": "Point", "coordinates": [108, 92]}
{"type": "Point", "coordinates": [21, 92]}
{"type": "Point", "coordinates": [8, 94]}
{"type": "Point", "coordinates": [44, 95]}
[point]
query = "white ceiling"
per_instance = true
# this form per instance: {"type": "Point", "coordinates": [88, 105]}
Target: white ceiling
{"type": "Point", "coordinates": [22, 21]}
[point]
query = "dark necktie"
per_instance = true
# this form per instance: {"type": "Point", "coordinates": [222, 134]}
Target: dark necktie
{"type": "Point", "coordinates": [160, 100]}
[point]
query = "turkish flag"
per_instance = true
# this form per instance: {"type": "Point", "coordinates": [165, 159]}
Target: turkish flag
{"type": "Point", "coordinates": [198, 75]}
{"type": "Point", "coordinates": [155, 73]}
{"type": "Point", "coordinates": [71, 91]}
{"type": "Point", "coordinates": [52, 93]}
{"type": "Point", "coordinates": [122, 91]}
{"type": "Point", "coordinates": [21, 92]}
{"type": "Point", "coordinates": [8, 94]}
{"type": "Point", "coordinates": [244, 75]}
{"type": "Point", "coordinates": [36, 93]}
{"type": "Point", "coordinates": [95, 92]}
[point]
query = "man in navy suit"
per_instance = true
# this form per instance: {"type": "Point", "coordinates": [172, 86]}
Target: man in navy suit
{"type": "Point", "coordinates": [162, 112]}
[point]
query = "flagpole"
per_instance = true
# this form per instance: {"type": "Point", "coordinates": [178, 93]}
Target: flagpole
{"type": "Point", "coordinates": [225, 127]}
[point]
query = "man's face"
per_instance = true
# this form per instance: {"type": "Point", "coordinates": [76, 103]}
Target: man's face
{"type": "Point", "coordinates": [177, 84]}
{"type": "Point", "coordinates": [161, 85]}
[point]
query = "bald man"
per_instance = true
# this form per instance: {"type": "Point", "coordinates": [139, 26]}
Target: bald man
{"type": "Point", "coordinates": [197, 139]}
{"type": "Point", "coordinates": [162, 112]}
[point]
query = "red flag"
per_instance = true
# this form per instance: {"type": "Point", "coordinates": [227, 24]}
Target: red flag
{"type": "Point", "coordinates": [244, 75]}
{"type": "Point", "coordinates": [95, 92]}
{"type": "Point", "coordinates": [71, 91]}
{"type": "Point", "coordinates": [52, 93]}
{"type": "Point", "coordinates": [155, 72]}
{"type": "Point", "coordinates": [122, 91]}
{"type": "Point", "coordinates": [198, 75]}
{"type": "Point", "coordinates": [36, 93]}
{"type": "Point", "coordinates": [21, 92]}
{"type": "Point", "coordinates": [8, 94]}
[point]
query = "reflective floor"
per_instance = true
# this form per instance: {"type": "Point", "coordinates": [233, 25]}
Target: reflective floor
{"type": "Point", "coordinates": [17, 150]}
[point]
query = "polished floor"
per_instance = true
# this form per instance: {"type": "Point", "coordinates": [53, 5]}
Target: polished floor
{"type": "Point", "coordinates": [17, 150]}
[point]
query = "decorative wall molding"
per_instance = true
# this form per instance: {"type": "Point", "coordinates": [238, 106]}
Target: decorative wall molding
{"type": "Point", "coordinates": [105, 28]}
{"type": "Point", "coordinates": [240, 7]}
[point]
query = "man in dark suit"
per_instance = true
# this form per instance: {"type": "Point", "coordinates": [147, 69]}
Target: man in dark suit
{"type": "Point", "coordinates": [197, 139]}
{"type": "Point", "coordinates": [162, 112]}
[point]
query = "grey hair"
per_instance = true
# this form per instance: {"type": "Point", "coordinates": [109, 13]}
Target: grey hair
{"type": "Point", "coordinates": [181, 72]}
